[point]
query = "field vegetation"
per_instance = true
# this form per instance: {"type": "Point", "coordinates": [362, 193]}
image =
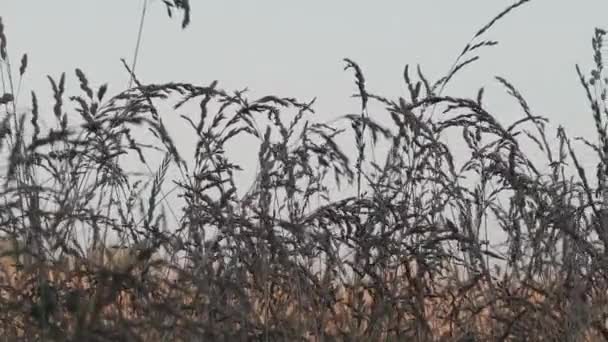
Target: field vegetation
{"type": "Point", "coordinates": [406, 257]}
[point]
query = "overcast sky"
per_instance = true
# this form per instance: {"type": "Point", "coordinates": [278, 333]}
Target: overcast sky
{"type": "Point", "coordinates": [290, 48]}
{"type": "Point", "coordinates": [295, 48]}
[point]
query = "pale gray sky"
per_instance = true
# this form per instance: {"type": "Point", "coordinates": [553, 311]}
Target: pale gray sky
{"type": "Point", "coordinates": [295, 48]}
{"type": "Point", "coordinates": [290, 48]}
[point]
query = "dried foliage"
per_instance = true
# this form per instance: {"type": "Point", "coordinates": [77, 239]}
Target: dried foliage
{"type": "Point", "coordinates": [405, 259]}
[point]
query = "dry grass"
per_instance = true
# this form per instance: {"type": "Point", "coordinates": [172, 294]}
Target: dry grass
{"type": "Point", "coordinates": [405, 259]}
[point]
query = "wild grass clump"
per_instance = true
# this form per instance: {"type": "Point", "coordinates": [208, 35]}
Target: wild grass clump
{"type": "Point", "coordinates": [406, 258]}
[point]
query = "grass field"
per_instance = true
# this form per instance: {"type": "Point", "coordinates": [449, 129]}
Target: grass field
{"type": "Point", "coordinates": [405, 258]}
